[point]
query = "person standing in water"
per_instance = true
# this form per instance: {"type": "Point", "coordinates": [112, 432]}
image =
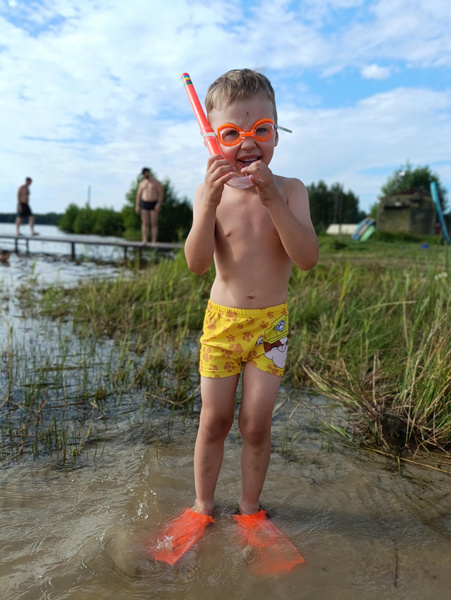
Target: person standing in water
{"type": "Point", "coordinates": [254, 233]}
{"type": "Point", "coordinates": [254, 236]}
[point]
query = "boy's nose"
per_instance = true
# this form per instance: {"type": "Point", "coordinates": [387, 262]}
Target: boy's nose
{"type": "Point", "coordinates": [248, 142]}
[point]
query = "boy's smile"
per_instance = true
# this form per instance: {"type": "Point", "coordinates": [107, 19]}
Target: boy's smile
{"type": "Point", "coordinates": [245, 114]}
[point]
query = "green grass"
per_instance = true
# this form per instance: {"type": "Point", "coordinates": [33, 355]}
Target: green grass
{"type": "Point", "coordinates": [369, 327]}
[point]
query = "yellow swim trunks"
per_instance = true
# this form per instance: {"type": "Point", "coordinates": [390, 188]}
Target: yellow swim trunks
{"type": "Point", "coordinates": [233, 336]}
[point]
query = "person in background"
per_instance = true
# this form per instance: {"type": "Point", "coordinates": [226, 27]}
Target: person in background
{"type": "Point", "coordinates": [149, 199]}
{"type": "Point", "coordinates": [23, 206]}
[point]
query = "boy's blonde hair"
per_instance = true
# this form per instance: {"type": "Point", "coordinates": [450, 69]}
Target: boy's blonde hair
{"type": "Point", "coordinates": [239, 84]}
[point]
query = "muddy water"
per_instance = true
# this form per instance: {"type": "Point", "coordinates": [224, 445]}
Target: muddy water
{"type": "Point", "coordinates": [365, 529]}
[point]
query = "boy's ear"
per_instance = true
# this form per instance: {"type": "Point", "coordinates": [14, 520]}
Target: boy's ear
{"type": "Point", "coordinates": [276, 138]}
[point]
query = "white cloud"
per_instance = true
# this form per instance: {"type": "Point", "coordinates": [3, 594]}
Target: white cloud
{"type": "Point", "coordinates": [359, 146]}
{"type": "Point", "coordinates": [91, 92]}
{"type": "Point", "coordinates": [375, 72]}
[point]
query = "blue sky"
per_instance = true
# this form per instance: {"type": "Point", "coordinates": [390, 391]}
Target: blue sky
{"type": "Point", "coordinates": [91, 92]}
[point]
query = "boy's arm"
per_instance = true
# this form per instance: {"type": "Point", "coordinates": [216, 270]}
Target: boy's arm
{"type": "Point", "coordinates": [289, 212]}
{"type": "Point", "coordinates": [200, 243]}
{"type": "Point", "coordinates": [296, 234]}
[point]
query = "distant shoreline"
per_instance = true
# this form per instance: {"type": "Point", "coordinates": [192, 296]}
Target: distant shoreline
{"type": "Point", "coordinates": [40, 219]}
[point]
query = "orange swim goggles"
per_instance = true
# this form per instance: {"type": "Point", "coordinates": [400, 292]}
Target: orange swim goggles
{"type": "Point", "coordinates": [231, 135]}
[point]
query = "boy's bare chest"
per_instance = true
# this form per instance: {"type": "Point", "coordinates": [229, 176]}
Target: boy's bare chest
{"type": "Point", "coordinates": [244, 222]}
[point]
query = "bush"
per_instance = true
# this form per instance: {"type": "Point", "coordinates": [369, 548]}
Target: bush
{"type": "Point", "coordinates": [68, 219]}
{"type": "Point", "coordinates": [108, 222]}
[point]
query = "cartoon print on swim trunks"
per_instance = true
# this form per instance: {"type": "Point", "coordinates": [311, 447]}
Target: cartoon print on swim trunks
{"type": "Point", "coordinates": [275, 341]}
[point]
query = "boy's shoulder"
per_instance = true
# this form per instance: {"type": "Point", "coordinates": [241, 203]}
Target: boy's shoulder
{"type": "Point", "coordinates": [291, 188]}
{"type": "Point", "coordinates": [288, 181]}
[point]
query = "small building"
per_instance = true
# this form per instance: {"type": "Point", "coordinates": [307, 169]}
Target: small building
{"type": "Point", "coordinates": [409, 211]}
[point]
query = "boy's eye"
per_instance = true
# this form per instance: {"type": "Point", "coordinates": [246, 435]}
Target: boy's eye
{"type": "Point", "coordinates": [230, 135]}
{"type": "Point", "coordinates": [263, 131]}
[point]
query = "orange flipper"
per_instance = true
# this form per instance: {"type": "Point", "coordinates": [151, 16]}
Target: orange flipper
{"type": "Point", "coordinates": [274, 551]}
{"type": "Point", "coordinates": [179, 535]}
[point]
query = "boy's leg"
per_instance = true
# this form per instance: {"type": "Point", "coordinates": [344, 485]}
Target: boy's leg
{"type": "Point", "coordinates": [260, 391]}
{"type": "Point", "coordinates": [31, 223]}
{"type": "Point", "coordinates": [216, 419]}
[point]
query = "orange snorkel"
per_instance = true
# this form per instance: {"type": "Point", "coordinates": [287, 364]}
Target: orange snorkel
{"type": "Point", "coordinates": [207, 132]}
{"type": "Point", "coordinates": [205, 128]}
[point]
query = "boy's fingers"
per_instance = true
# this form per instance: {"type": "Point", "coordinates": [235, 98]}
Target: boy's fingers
{"type": "Point", "coordinates": [216, 158]}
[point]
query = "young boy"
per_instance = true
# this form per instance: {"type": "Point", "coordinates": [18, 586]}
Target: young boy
{"type": "Point", "coordinates": [253, 235]}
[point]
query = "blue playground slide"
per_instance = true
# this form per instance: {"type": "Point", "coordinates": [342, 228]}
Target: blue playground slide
{"type": "Point", "coordinates": [364, 229]}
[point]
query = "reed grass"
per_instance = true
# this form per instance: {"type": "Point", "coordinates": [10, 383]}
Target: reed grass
{"type": "Point", "coordinates": [93, 355]}
{"type": "Point", "coordinates": [369, 327]}
{"type": "Point", "coordinates": [376, 337]}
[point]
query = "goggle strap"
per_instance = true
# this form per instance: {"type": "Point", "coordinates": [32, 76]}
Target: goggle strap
{"type": "Point", "coordinates": [284, 128]}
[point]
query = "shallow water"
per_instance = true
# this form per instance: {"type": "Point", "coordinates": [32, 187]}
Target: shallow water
{"type": "Point", "coordinates": [367, 529]}
{"type": "Point", "coordinates": [48, 264]}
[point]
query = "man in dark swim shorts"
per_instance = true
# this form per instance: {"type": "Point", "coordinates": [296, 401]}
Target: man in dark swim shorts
{"type": "Point", "coordinates": [143, 205]}
{"type": "Point", "coordinates": [23, 207]}
{"type": "Point", "coordinates": [149, 199]}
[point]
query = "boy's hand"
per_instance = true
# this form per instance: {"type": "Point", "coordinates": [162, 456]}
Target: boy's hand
{"type": "Point", "coordinates": [219, 172]}
{"type": "Point", "coordinates": [263, 179]}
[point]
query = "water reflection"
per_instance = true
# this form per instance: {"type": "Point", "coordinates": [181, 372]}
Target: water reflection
{"type": "Point", "coordinates": [50, 262]}
{"type": "Point", "coordinates": [49, 266]}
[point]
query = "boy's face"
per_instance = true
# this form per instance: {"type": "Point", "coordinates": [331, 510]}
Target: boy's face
{"type": "Point", "coordinates": [244, 114]}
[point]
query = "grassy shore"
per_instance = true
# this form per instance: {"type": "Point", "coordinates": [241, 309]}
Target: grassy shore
{"type": "Point", "coordinates": [372, 330]}
{"type": "Point", "coordinates": [369, 327]}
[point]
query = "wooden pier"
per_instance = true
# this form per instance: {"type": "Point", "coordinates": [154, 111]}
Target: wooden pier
{"type": "Point", "coordinates": [25, 241]}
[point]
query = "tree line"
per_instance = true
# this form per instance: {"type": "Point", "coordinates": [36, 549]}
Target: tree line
{"type": "Point", "coordinates": [328, 204]}
{"type": "Point", "coordinates": [51, 218]}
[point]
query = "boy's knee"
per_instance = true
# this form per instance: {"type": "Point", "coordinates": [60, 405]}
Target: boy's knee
{"type": "Point", "coordinates": [254, 433]}
{"type": "Point", "coordinates": [216, 429]}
